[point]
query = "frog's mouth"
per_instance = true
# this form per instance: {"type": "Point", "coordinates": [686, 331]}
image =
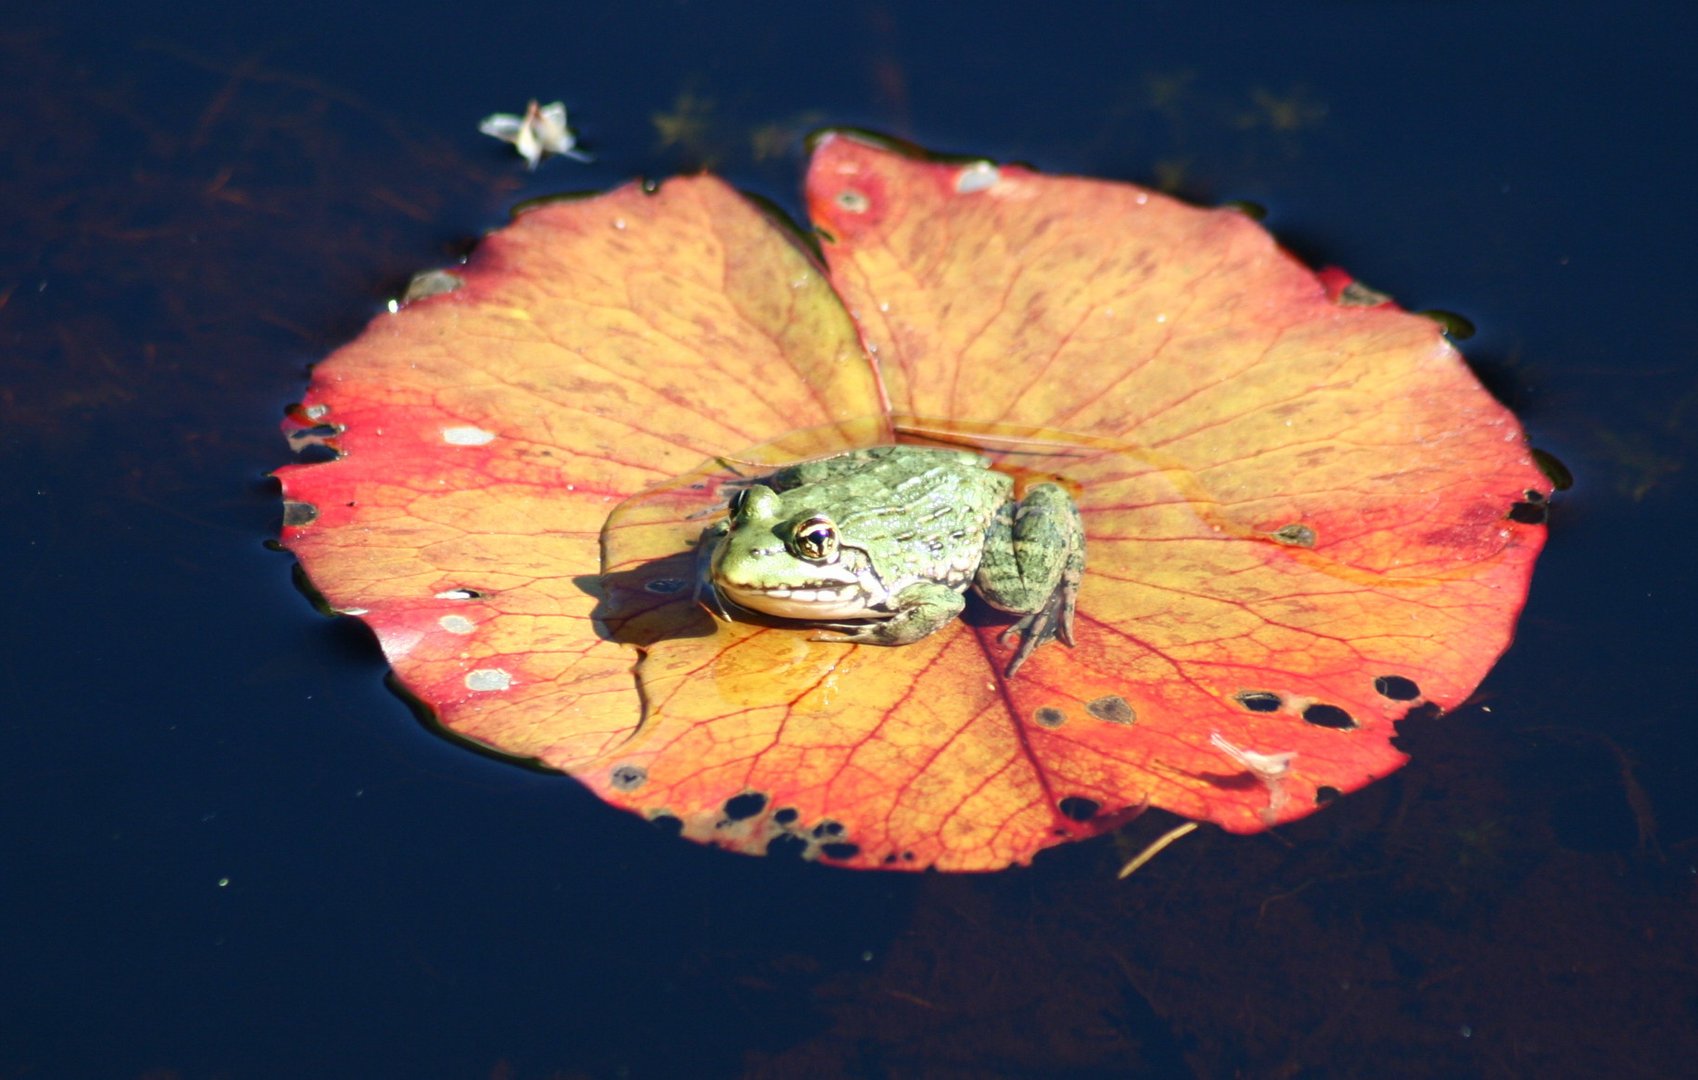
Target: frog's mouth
{"type": "Point", "coordinates": [827, 600]}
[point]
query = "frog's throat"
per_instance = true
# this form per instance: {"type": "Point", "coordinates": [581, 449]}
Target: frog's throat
{"type": "Point", "coordinates": [813, 604]}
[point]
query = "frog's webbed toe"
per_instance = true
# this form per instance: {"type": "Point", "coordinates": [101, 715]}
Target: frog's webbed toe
{"type": "Point", "coordinates": [1052, 621]}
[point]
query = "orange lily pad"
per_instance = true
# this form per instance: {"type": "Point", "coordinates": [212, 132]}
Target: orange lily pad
{"type": "Point", "coordinates": [1304, 516]}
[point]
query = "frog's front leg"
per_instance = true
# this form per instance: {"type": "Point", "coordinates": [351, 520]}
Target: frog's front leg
{"type": "Point", "coordinates": [920, 609]}
{"type": "Point", "coordinates": [1033, 562]}
{"type": "Point", "coordinates": [705, 594]}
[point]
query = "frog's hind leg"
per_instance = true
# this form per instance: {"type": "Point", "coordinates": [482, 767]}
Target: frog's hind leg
{"type": "Point", "coordinates": [1033, 563]}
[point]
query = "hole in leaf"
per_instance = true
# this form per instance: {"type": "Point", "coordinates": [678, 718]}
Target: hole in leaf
{"type": "Point", "coordinates": [666, 823]}
{"type": "Point", "coordinates": [316, 454]}
{"type": "Point", "coordinates": [786, 816]}
{"type": "Point", "coordinates": [1396, 687]}
{"type": "Point", "coordinates": [787, 845]}
{"type": "Point", "coordinates": [302, 438]}
{"type": "Point", "coordinates": [1257, 700]}
{"type": "Point", "coordinates": [297, 514]}
{"type": "Point", "coordinates": [840, 851]}
{"type": "Point", "coordinates": [306, 414]}
{"type": "Point", "coordinates": [1326, 793]}
{"type": "Point", "coordinates": [1529, 513]}
{"type": "Point", "coordinates": [1329, 716]}
{"type": "Point", "coordinates": [1295, 535]}
{"type": "Point", "coordinates": [1079, 808]}
{"type": "Point", "coordinates": [746, 805]}
{"type": "Point", "coordinates": [827, 828]}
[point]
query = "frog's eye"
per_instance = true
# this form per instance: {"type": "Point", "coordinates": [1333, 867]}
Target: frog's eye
{"type": "Point", "coordinates": [815, 539]}
{"type": "Point", "coordinates": [738, 499]}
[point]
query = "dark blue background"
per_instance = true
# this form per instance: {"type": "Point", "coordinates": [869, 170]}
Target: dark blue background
{"type": "Point", "coordinates": [227, 851]}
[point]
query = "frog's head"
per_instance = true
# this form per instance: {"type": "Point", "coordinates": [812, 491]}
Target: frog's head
{"type": "Point", "coordinates": [789, 563]}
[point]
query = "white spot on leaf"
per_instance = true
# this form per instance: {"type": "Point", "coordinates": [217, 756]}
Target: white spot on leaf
{"type": "Point", "coordinates": [456, 624]}
{"type": "Point", "coordinates": [488, 679]}
{"type": "Point", "coordinates": [398, 641]}
{"type": "Point", "coordinates": [979, 176]}
{"type": "Point", "coordinates": [467, 435]}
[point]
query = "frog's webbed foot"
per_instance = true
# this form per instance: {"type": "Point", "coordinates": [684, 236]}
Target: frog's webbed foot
{"type": "Point", "coordinates": [1052, 621]}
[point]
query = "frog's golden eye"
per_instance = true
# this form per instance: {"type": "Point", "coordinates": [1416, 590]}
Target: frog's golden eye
{"type": "Point", "coordinates": [815, 539]}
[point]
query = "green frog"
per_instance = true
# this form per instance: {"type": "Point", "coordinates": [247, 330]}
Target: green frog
{"type": "Point", "coordinates": [877, 547]}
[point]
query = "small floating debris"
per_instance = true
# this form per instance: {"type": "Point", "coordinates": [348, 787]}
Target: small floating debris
{"type": "Point", "coordinates": [538, 133]}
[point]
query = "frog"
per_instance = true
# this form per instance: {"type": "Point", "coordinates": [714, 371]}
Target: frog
{"type": "Point", "coordinates": [879, 546]}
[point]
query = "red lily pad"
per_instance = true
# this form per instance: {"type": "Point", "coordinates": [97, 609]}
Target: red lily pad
{"type": "Point", "coordinates": [1304, 516]}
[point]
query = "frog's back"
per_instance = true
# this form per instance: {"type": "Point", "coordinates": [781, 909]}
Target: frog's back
{"type": "Point", "coordinates": [874, 464]}
{"type": "Point", "coordinates": [920, 512]}
{"type": "Point", "coordinates": [899, 476]}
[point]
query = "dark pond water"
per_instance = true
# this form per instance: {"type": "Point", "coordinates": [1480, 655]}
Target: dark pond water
{"type": "Point", "coordinates": [229, 851]}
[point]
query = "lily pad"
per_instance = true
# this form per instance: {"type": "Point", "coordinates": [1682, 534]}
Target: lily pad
{"type": "Point", "coordinates": [1304, 516]}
